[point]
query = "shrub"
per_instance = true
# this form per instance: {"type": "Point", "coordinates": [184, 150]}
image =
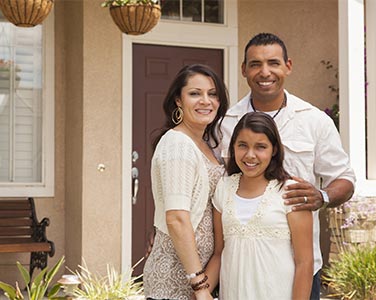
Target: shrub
{"type": "Point", "coordinates": [353, 274]}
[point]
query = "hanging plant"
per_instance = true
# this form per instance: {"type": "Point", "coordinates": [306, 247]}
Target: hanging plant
{"type": "Point", "coordinates": [26, 13]}
{"type": "Point", "coordinates": [134, 17]}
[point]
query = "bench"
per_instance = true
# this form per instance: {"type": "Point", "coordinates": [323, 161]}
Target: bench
{"type": "Point", "coordinates": [20, 232]}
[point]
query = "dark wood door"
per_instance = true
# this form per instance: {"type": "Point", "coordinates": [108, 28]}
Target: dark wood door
{"type": "Point", "coordinates": [154, 68]}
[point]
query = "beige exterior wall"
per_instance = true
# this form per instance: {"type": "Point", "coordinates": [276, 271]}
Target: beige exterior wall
{"type": "Point", "coordinates": [92, 60]}
{"type": "Point", "coordinates": [309, 29]}
{"type": "Point", "coordinates": [101, 197]}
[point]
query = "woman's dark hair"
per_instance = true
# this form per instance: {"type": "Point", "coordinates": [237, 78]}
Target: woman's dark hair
{"type": "Point", "coordinates": [174, 93]}
{"type": "Point", "coordinates": [260, 122]}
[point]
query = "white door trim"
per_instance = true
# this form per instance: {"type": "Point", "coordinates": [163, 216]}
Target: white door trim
{"type": "Point", "coordinates": [174, 34]}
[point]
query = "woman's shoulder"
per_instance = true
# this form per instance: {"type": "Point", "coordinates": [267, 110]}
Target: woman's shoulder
{"type": "Point", "coordinates": [175, 135]}
{"type": "Point", "coordinates": [174, 139]}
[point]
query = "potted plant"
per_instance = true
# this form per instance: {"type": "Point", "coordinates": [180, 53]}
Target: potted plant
{"type": "Point", "coordinates": [113, 285]}
{"type": "Point", "coordinates": [134, 17]}
{"type": "Point", "coordinates": [37, 288]}
{"type": "Point", "coordinates": [26, 13]}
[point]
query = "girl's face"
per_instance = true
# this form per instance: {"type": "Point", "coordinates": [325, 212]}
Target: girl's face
{"type": "Point", "coordinates": [199, 101]}
{"type": "Point", "coordinates": [253, 153]}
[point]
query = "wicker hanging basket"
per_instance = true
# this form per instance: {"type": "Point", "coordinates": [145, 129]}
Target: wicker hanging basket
{"type": "Point", "coordinates": [136, 19]}
{"type": "Point", "coordinates": [26, 13]}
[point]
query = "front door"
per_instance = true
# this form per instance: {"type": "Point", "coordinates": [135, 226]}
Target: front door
{"type": "Point", "coordinates": [154, 68]}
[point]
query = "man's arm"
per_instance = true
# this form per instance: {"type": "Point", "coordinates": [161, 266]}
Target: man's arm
{"type": "Point", "coordinates": [306, 197]}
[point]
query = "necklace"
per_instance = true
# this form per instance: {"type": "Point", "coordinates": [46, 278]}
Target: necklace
{"type": "Point", "coordinates": [279, 109]}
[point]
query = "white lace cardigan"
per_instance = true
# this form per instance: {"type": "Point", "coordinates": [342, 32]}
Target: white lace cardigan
{"type": "Point", "coordinates": [179, 179]}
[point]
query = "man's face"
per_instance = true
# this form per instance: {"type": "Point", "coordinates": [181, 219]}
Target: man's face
{"type": "Point", "coordinates": [266, 71]}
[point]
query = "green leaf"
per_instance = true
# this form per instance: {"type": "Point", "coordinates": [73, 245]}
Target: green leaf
{"type": "Point", "coordinates": [25, 274]}
{"type": "Point", "coordinates": [39, 278]}
{"type": "Point", "coordinates": [50, 274]}
{"type": "Point", "coordinates": [53, 291]}
{"type": "Point", "coordinates": [11, 291]}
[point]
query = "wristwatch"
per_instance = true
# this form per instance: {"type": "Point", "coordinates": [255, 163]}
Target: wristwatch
{"type": "Point", "coordinates": [325, 197]}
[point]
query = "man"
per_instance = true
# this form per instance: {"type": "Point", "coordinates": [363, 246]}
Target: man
{"type": "Point", "coordinates": [313, 150]}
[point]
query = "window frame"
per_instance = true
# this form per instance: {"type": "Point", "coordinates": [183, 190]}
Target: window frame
{"type": "Point", "coordinates": [46, 187]}
{"type": "Point", "coordinates": [352, 89]}
{"type": "Point", "coordinates": [370, 12]}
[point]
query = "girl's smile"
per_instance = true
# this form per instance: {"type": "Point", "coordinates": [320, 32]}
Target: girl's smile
{"type": "Point", "coordinates": [253, 153]}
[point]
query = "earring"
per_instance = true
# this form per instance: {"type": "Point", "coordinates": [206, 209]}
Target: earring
{"type": "Point", "coordinates": [177, 115]}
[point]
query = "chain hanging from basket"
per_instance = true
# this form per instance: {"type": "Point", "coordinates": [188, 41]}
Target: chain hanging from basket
{"type": "Point", "coordinates": [134, 17]}
{"type": "Point", "coordinates": [26, 13]}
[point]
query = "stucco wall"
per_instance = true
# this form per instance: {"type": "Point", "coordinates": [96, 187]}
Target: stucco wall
{"type": "Point", "coordinates": [71, 48]}
{"type": "Point", "coordinates": [102, 92]}
{"type": "Point", "coordinates": [309, 29]}
{"type": "Point", "coordinates": [92, 135]}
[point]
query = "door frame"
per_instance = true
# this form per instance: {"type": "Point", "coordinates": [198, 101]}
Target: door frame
{"type": "Point", "coordinates": [171, 33]}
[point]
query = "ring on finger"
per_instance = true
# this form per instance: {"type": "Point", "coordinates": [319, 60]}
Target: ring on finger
{"type": "Point", "coordinates": [305, 200]}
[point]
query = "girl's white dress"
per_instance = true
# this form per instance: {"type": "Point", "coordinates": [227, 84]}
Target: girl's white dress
{"type": "Point", "coordinates": [257, 259]}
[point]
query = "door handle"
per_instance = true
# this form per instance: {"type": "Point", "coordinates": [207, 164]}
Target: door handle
{"type": "Point", "coordinates": [135, 185]}
{"type": "Point", "coordinates": [135, 156]}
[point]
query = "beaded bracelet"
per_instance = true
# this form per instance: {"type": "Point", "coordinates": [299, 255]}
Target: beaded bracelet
{"type": "Point", "coordinates": [196, 284]}
{"type": "Point", "coordinates": [193, 275]}
{"type": "Point", "coordinates": [201, 287]}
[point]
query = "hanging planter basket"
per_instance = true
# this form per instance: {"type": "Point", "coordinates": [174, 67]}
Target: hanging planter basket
{"type": "Point", "coordinates": [136, 19]}
{"type": "Point", "coordinates": [26, 13]}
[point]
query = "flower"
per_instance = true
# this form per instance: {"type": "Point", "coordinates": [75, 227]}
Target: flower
{"type": "Point", "coordinates": [108, 3]}
{"type": "Point", "coordinates": [5, 64]}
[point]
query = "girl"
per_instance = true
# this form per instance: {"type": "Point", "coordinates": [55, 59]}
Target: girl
{"type": "Point", "coordinates": [266, 247]}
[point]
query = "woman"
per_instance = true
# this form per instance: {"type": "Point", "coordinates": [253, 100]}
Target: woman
{"type": "Point", "coordinates": [184, 174]}
{"type": "Point", "coordinates": [267, 247]}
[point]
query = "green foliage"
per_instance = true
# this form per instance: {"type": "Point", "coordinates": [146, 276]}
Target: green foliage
{"type": "Point", "coordinates": [113, 286]}
{"type": "Point", "coordinates": [107, 3]}
{"type": "Point", "coordinates": [37, 288]}
{"type": "Point", "coordinates": [353, 274]}
{"type": "Point", "coordinates": [333, 111]}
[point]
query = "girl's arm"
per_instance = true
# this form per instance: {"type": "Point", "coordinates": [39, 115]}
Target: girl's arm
{"type": "Point", "coordinates": [181, 232]}
{"type": "Point", "coordinates": [301, 227]}
{"type": "Point", "coordinates": [214, 264]}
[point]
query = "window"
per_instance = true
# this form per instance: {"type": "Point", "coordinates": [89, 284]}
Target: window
{"type": "Point", "coordinates": [26, 123]}
{"type": "Point", "coordinates": [204, 11]}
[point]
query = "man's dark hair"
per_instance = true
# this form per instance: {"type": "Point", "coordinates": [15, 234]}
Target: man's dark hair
{"type": "Point", "coordinates": [263, 39]}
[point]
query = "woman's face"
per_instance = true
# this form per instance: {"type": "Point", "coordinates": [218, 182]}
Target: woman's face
{"type": "Point", "coordinates": [253, 153]}
{"type": "Point", "coordinates": [199, 101]}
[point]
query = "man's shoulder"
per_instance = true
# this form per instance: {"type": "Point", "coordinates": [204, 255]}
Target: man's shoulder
{"type": "Point", "coordinates": [303, 107]}
{"type": "Point", "coordinates": [298, 104]}
{"type": "Point", "coordinates": [304, 114]}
